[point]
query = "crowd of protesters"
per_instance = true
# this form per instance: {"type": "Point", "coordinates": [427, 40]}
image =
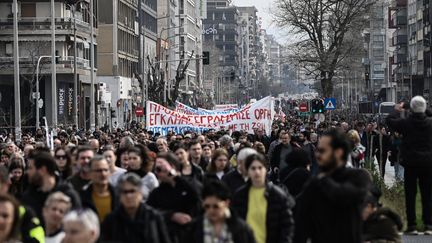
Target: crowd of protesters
{"type": "Point", "coordinates": [304, 182]}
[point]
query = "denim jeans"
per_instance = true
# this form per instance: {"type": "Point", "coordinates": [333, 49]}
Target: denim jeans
{"type": "Point", "coordinates": [399, 171]}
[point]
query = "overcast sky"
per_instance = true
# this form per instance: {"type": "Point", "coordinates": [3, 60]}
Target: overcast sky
{"type": "Point", "coordinates": [263, 7]}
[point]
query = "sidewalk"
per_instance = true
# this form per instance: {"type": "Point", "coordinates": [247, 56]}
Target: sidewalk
{"type": "Point", "coordinates": [417, 239]}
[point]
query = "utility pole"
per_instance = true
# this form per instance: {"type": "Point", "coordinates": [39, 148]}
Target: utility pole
{"type": "Point", "coordinates": [75, 68]}
{"type": "Point", "coordinates": [53, 69]}
{"type": "Point", "coordinates": [92, 81]}
{"type": "Point", "coordinates": [17, 95]}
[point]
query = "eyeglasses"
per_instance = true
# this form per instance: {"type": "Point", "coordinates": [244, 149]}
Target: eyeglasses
{"type": "Point", "coordinates": [60, 156]}
{"type": "Point", "coordinates": [131, 191]}
{"type": "Point", "coordinates": [213, 206]}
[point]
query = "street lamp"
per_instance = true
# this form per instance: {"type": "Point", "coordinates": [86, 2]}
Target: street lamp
{"type": "Point", "coordinates": [73, 9]}
{"type": "Point", "coordinates": [92, 106]}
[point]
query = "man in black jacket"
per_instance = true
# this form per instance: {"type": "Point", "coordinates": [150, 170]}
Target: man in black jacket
{"type": "Point", "coordinates": [329, 208]}
{"type": "Point", "coordinates": [133, 221]}
{"type": "Point", "coordinates": [416, 154]}
{"type": "Point", "coordinates": [281, 151]}
{"type": "Point", "coordinates": [44, 181]}
{"type": "Point", "coordinates": [99, 195]}
{"type": "Point", "coordinates": [238, 177]}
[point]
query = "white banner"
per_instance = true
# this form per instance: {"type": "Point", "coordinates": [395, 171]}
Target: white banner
{"type": "Point", "coordinates": [185, 109]}
{"type": "Point", "coordinates": [260, 114]}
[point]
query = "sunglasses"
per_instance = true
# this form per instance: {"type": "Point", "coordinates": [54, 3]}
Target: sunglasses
{"type": "Point", "coordinates": [213, 206]}
{"type": "Point", "coordinates": [60, 156]}
{"type": "Point", "coordinates": [131, 191]}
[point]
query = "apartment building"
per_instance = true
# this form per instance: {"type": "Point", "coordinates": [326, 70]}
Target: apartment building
{"type": "Point", "coordinates": [408, 38]}
{"type": "Point", "coordinates": [249, 49]}
{"type": "Point", "coordinates": [274, 58]}
{"type": "Point", "coordinates": [169, 39]}
{"type": "Point", "coordinates": [34, 21]}
{"type": "Point", "coordinates": [222, 28]}
{"type": "Point", "coordinates": [190, 39]}
{"type": "Point", "coordinates": [119, 56]}
{"type": "Point", "coordinates": [427, 17]}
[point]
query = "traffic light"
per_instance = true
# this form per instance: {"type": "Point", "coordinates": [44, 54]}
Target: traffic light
{"type": "Point", "coordinates": [206, 58]}
{"type": "Point", "coordinates": [113, 113]}
{"type": "Point", "coordinates": [317, 106]}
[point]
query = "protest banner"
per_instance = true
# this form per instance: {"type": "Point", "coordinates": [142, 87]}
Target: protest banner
{"type": "Point", "coordinates": [185, 109]}
{"type": "Point", "coordinates": [160, 119]}
{"type": "Point", "coordinates": [226, 107]}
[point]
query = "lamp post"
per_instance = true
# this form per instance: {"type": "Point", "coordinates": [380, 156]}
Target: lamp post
{"type": "Point", "coordinates": [53, 68]}
{"type": "Point", "coordinates": [73, 9]}
{"type": "Point", "coordinates": [16, 74]}
{"type": "Point", "coordinates": [92, 91]}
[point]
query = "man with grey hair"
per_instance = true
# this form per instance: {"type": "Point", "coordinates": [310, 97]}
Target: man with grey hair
{"type": "Point", "coordinates": [416, 155]}
{"type": "Point", "coordinates": [238, 177]}
{"type": "Point", "coordinates": [226, 142]}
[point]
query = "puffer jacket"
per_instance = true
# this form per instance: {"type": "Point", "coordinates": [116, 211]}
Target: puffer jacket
{"type": "Point", "coordinates": [279, 221]}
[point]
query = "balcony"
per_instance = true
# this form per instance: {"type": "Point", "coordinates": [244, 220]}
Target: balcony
{"type": "Point", "coordinates": [64, 25]}
{"type": "Point", "coordinates": [64, 63]}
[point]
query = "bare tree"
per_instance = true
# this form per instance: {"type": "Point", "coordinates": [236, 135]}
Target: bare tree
{"type": "Point", "coordinates": [322, 26]}
{"type": "Point", "coordinates": [28, 64]}
{"type": "Point", "coordinates": [157, 80]}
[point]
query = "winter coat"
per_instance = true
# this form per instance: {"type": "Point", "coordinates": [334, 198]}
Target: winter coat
{"type": "Point", "coordinates": [182, 198]}
{"type": "Point", "coordinates": [147, 226]}
{"type": "Point", "coordinates": [295, 180]}
{"type": "Point", "coordinates": [279, 219]}
{"type": "Point", "coordinates": [238, 228]}
{"type": "Point", "coordinates": [357, 156]}
{"type": "Point", "coordinates": [329, 208]}
{"type": "Point", "coordinates": [87, 198]}
{"type": "Point", "coordinates": [234, 180]}
{"type": "Point", "coordinates": [416, 147]}
{"type": "Point", "coordinates": [34, 198]}
{"type": "Point", "coordinates": [276, 159]}
{"type": "Point", "coordinates": [382, 226]}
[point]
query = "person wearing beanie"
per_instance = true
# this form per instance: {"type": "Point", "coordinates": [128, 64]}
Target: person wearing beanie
{"type": "Point", "coordinates": [416, 158]}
